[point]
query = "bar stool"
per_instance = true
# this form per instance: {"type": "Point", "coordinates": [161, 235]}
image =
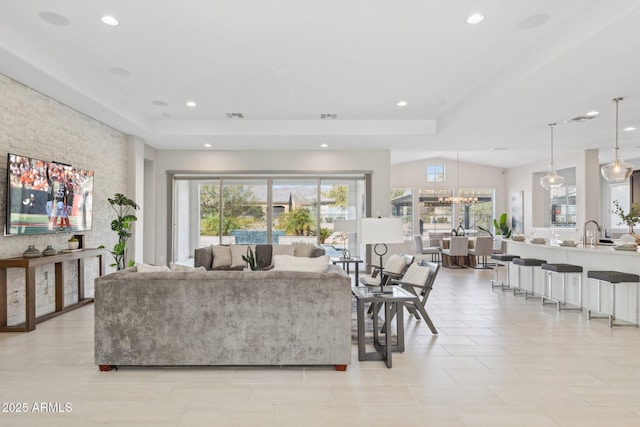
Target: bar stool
{"type": "Point", "coordinates": [527, 262]}
{"type": "Point", "coordinates": [563, 269]}
{"type": "Point", "coordinates": [613, 277]}
{"type": "Point", "coordinates": [506, 258]}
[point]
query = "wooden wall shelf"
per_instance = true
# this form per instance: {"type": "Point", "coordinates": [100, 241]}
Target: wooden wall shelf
{"type": "Point", "coordinates": [29, 265]}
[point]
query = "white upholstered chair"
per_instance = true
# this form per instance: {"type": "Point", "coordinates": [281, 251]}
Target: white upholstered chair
{"type": "Point", "coordinates": [482, 249]}
{"type": "Point", "coordinates": [434, 251]}
{"type": "Point", "coordinates": [458, 247]}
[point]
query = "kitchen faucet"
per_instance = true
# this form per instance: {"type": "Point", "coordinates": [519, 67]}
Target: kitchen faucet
{"type": "Point", "coordinates": [584, 231]}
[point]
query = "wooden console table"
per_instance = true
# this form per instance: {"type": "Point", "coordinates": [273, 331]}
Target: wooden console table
{"type": "Point", "coordinates": [29, 265]}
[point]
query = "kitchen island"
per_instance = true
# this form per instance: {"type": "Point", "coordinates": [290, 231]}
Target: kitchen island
{"type": "Point", "coordinates": [590, 258]}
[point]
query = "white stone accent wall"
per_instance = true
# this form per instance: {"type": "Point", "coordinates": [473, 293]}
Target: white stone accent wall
{"type": "Point", "coordinates": [34, 125]}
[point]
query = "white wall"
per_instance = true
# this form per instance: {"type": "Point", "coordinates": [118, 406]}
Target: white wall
{"type": "Point", "coordinates": [414, 175]}
{"type": "Point", "coordinates": [34, 125]}
{"type": "Point", "coordinates": [377, 161]}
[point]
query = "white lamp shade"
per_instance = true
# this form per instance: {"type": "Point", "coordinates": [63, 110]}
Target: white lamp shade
{"type": "Point", "coordinates": [381, 230]}
{"type": "Point", "coordinates": [346, 225]}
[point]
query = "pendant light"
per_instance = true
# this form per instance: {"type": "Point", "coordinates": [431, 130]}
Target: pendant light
{"type": "Point", "coordinates": [619, 170]}
{"type": "Point", "coordinates": [551, 179]}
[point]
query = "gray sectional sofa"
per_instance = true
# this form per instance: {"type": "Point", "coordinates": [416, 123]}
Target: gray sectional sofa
{"type": "Point", "coordinates": [223, 318]}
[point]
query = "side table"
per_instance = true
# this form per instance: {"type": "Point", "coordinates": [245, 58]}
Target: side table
{"type": "Point", "coordinates": [345, 264]}
{"type": "Point", "coordinates": [393, 300]}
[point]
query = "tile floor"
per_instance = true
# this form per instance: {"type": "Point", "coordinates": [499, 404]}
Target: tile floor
{"type": "Point", "coordinates": [498, 361]}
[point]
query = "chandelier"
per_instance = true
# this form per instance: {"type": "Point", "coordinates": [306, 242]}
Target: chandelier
{"type": "Point", "coordinates": [619, 170]}
{"type": "Point", "coordinates": [458, 200]}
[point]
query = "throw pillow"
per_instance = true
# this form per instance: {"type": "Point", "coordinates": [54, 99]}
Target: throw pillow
{"type": "Point", "coordinates": [147, 268]}
{"type": "Point", "coordinates": [416, 275]}
{"type": "Point", "coordinates": [303, 249]}
{"type": "Point", "coordinates": [395, 264]}
{"type": "Point", "coordinates": [221, 256]}
{"type": "Point", "coordinates": [282, 250]}
{"type": "Point", "coordinates": [179, 267]}
{"type": "Point", "coordinates": [294, 263]}
{"type": "Point", "coordinates": [237, 252]}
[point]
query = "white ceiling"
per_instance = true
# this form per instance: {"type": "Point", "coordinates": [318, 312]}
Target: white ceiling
{"type": "Point", "coordinates": [283, 63]}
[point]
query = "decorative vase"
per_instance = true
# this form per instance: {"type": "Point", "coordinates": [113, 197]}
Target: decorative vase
{"type": "Point", "coordinates": [50, 250]}
{"type": "Point", "coordinates": [32, 252]}
{"type": "Point", "coordinates": [634, 235]}
{"type": "Point", "coordinates": [73, 245]}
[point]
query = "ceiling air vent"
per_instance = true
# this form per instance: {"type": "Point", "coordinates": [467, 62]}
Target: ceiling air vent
{"type": "Point", "coordinates": [235, 115]}
{"type": "Point", "coordinates": [328, 116]}
{"type": "Point", "coordinates": [580, 119]}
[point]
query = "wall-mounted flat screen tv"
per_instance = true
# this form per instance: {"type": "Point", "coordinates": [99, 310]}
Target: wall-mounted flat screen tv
{"type": "Point", "coordinates": [47, 197]}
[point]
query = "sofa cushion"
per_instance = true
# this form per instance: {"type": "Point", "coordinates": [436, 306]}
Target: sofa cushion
{"type": "Point", "coordinates": [283, 250]}
{"type": "Point", "coordinates": [237, 252]}
{"type": "Point", "coordinates": [178, 267]}
{"type": "Point", "coordinates": [303, 249]}
{"type": "Point", "coordinates": [203, 257]}
{"type": "Point", "coordinates": [221, 256]}
{"type": "Point", "coordinates": [147, 268]}
{"type": "Point", "coordinates": [295, 263]}
{"type": "Point", "coordinates": [264, 255]}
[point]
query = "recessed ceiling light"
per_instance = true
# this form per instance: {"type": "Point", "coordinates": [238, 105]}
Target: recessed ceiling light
{"type": "Point", "coordinates": [324, 145]}
{"type": "Point", "coordinates": [159, 103]}
{"type": "Point", "coordinates": [592, 113]}
{"type": "Point", "coordinates": [476, 18]}
{"type": "Point", "coordinates": [191, 104]}
{"type": "Point", "coordinates": [401, 103]}
{"type": "Point", "coordinates": [54, 19]}
{"type": "Point", "coordinates": [109, 20]}
{"type": "Point", "coordinates": [207, 145]}
{"type": "Point", "coordinates": [122, 72]}
{"type": "Point", "coordinates": [629, 129]}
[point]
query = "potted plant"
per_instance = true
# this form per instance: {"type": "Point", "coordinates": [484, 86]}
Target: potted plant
{"type": "Point", "coordinates": [123, 206]}
{"type": "Point", "coordinates": [501, 227]}
{"type": "Point", "coordinates": [324, 234]}
{"type": "Point", "coordinates": [73, 242]}
{"type": "Point", "coordinates": [630, 219]}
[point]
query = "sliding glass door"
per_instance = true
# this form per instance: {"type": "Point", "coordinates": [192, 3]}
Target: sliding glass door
{"type": "Point", "coordinates": [250, 210]}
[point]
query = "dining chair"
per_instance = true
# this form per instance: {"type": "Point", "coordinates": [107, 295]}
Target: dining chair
{"type": "Point", "coordinates": [458, 247]}
{"type": "Point", "coordinates": [482, 249]}
{"type": "Point", "coordinates": [434, 251]}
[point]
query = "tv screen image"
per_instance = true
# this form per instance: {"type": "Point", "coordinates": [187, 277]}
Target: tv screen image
{"type": "Point", "coordinates": [47, 197]}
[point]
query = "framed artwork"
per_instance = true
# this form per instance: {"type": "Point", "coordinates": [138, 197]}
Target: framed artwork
{"type": "Point", "coordinates": [517, 212]}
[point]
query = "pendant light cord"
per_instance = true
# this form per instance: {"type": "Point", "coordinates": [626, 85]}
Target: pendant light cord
{"type": "Point", "coordinates": [617, 100]}
{"type": "Point", "coordinates": [551, 125]}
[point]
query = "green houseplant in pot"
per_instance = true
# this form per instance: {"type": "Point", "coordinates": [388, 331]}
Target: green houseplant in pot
{"type": "Point", "coordinates": [501, 227]}
{"type": "Point", "coordinates": [123, 207]}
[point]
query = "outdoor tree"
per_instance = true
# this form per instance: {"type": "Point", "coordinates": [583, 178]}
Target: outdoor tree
{"type": "Point", "coordinates": [339, 194]}
{"type": "Point", "coordinates": [241, 208]}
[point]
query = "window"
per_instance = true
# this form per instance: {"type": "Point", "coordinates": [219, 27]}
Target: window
{"type": "Point", "coordinates": [402, 207]}
{"type": "Point", "coordinates": [435, 173]}
{"type": "Point", "coordinates": [436, 215]}
{"type": "Point", "coordinates": [622, 193]}
{"type": "Point", "coordinates": [563, 206]}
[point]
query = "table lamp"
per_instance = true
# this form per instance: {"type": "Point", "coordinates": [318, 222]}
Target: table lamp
{"type": "Point", "coordinates": [379, 232]}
